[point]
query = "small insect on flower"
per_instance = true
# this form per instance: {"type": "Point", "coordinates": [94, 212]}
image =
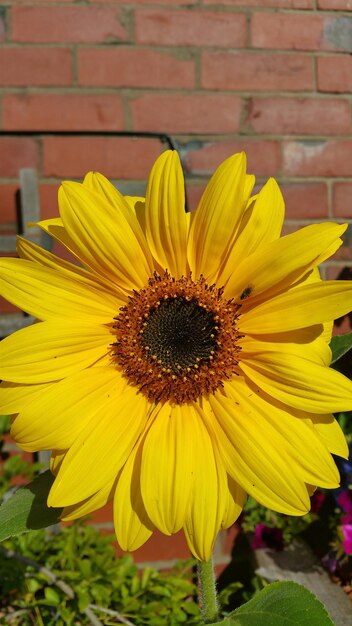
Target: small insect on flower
{"type": "Point", "coordinates": [151, 362]}
{"type": "Point", "coordinates": [245, 293]}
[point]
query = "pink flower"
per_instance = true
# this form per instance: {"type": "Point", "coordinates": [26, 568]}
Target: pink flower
{"type": "Point", "coordinates": [345, 500]}
{"type": "Point", "coordinates": [266, 537]}
{"type": "Point", "coordinates": [347, 542]}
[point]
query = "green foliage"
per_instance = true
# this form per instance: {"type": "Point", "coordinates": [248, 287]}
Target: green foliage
{"type": "Point", "coordinates": [280, 604]}
{"type": "Point", "coordinates": [340, 345]}
{"type": "Point", "coordinates": [85, 560]}
{"type": "Point", "coordinates": [26, 509]}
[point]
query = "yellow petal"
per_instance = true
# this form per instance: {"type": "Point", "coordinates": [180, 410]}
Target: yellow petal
{"type": "Point", "coordinates": [259, 463]}
{"type": "Point", "coordinates": [52, 350]}
{"type": "Point", "coordinates": [303, 306]}
{"type": "Point", "coordinates": [166, 220]}
{"type": "Point", "coordinates": [70, 403]}
{"type": "Point", "coordinates": [129, 206]}
{"type": "Point", "coordinates": [109, 244]}
{"type": "Point", "coordinates": [13, 396]}
{"type": "Point", "coordinates": [209, 499]}
{"type": "Point", "coordinates": [299, 382]}
{"type": "Point", "coordinates": [261, 223]}
{"type": "Point", "coordinates": [47, 294]}
{"type": "Point", "coordinates": [278, 264]}
{"type": "Point", "coordinates": [102, 447]}
{"type": "Point", "coordinates": [235, 503]}
{"type": "Point", "coordinates": [168, 466]}
{"type": "Point", "coordinates": [132, 524]}
{"type": "Point", "coordinates": [331, 434]}
{"type": "Point", "coordinates": [95, 502]}
{"type": "Point", "coordinates": [308, 456]}
{"type": "Point", "coordinates": [217, 217]}
{"type": "Point", "coordinates": [57, 456]}
{"type": "Point", "coordinates": [316, 350]}
{"type": "Point", "coordinates": [30, 251]}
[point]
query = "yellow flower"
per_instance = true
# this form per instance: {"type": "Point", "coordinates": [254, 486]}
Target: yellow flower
{"type": "Point", "coordinates": [184, 362]}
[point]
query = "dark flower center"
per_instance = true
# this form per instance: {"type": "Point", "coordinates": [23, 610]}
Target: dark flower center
{"type": "Point", "coordinates": [176, 340]}
{"type": "Point", "coordinates": [180, 334]}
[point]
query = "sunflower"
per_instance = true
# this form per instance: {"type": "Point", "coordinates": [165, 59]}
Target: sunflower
{"type": "Point", "coordinates": [182, 362]}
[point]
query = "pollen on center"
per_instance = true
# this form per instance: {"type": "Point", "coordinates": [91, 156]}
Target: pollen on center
{"type": "Point", "coordinates": [176, 340]}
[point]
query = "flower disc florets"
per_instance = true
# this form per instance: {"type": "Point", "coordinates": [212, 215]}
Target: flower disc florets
{"type": "Point", "coordinates": [177, 339]}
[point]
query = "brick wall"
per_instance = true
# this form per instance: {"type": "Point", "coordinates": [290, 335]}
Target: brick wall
{"type": "Point", "coordinates": [272, 77]}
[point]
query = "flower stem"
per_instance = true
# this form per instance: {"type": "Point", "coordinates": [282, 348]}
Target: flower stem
{"type": "Point", "coordinates": [208, 595]}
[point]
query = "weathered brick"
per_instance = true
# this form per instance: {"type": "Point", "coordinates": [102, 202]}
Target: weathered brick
{"type": "Point", "coordinates": [317, 158]}
{"type": "Point", "coordinates": [263, 156]}
{"type": "Point", "coordinates": [300, 116]}
{"type": "Point", "coordinates": [7, 203]}
{"type": "Point", "coordinates": [62, 112]}
{"type": "Point", "coordinates": [190, 28]}
{"type": "Point", "coordinates": [290, 31]}
{"type": "Point", "coordinates": [17, 152]}
{"type": "Point", "coordinates": [280, 4]}
{"type": "Point", "coordinates": [162, 547]}
{"type": "Point", "coordinates": [186, 113]}
{"type": "Point", "coordinates": [342, 199]}
{"type": "Point", "coordinates": [335, 5]}
{"type": "Point", "coordinates": [138, 2]}
{"type": "Point", "coordinates": [35, 66]}
{"type": "Point", "coordinates": [257, 71]}
{"type": "Point", "coordinates": [48, 200]}
{"type": "Point", "coordinates": [79, 24]}
{"type": "Point", "coordinates": [305, 200]}
{"type": "Point", "coordinates": [131, 67]}
{"type": "Point", "coordinates": [115, 157]}
{"type": "Point", "coordinates": [334, 73]}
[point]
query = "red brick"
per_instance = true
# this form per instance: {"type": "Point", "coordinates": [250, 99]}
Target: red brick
{"type": "Point", "coordinates": [194, 192]}
{"type": "Point", "coordinates": [334, 73]}
{"type": "Point", "coordinates": [263, 156]}
{"type": "Point", "coordinates": [305, 200]}
{"type": "Point", "coordinates": [35, 66]}
{"type": "Point", "coordinates": [48, 200]}
{"type": "Point", "coordinates": [115, 157]}
{"type": "Point", "coordinates": [342, 199]}
{"type": "Point", "coordinates": [7, 204]}
{"type": "Point", "coordinates": [62, 112]}
{"type": "Point", "coordinates": [282, 4]}
{"type": "Point", "coordinates": [138, 2]}
{"type": "Point", "coordinates": [162, 548]}
{"type": "Point", "coordinates": [317, 158]}
{"type": "Point", "coordinates": [76, 24]}
{"type": "Point", "coordinates": [289, 31]}
{"type": "Point", "coordinates": [335, 5]}
{"type": "Point", "coordinates": [300, 116]}
{"type": "Point", "coordinates": [17, 152]}
{"type": "Point", "coordinates": [128, 67]}
{"type": "Point", "coordinates": [7, 307]}
{"type": "Point", "coordinates": [258, 71]}
{"type": "Point", "coordinates": [190, 113]}
{"type": "Point", "coordinates": [190, 28]}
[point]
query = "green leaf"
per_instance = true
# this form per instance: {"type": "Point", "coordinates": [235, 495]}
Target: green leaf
{"type": "Point", "coordinates": [51, 596]}
{"type": "Point", "coordinates": [340, 344]}
{"type": "Point", "coordinates": [5, 421]}
{"type": "Point", "coordinates": [280, 604]}
{"type": "Point", "coordinates": [27, 510]}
